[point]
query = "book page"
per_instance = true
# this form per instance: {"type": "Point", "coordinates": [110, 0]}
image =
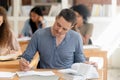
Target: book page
{"type": "Point", "coordinates": [28, 73]}
{"type": "Point", "coordinates": [81, 70]}
{"type": "Point", "coordinates": [85, 70]}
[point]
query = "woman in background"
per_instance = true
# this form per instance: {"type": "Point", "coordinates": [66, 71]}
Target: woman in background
{"type": "Point", "coordinates": [35, 21]}
{"type": "Point", "coordinates": [82, 24]}
{"type": "Point", "coordinates": [8, 42]}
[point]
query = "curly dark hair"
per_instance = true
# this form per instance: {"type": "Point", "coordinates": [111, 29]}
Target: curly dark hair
{"type": "Point", "coordinates": [82, 10]}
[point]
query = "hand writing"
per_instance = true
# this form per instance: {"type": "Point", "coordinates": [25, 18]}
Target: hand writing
{"type": "Point", "coordinates": [24, 65]}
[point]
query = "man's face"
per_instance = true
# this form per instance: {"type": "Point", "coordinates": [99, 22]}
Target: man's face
{"type": "Point", "coordinates": [61, 27]}
{"type": "Point", "coordinates": [1, 20]}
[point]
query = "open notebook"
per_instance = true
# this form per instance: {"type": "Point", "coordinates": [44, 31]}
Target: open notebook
{"type": "Point", "coordinates": [80, 71]}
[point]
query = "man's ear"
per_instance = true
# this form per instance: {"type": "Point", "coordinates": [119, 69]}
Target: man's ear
{"type": "Point", "coordinates": [73, 25]}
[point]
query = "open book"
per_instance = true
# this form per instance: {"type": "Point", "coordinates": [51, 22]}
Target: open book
{"type": "Point", "coordinates": [81, 71]}
{"type": "Point", "coordinates": [37, 75]}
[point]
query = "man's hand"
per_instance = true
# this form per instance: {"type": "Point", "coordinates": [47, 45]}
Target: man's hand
{"type": "Point", "coordinates": [24, 65]}
{"type": "Point", "coordinates": [92, 63]}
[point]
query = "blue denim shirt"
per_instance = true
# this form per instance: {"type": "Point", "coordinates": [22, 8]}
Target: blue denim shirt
{"type": "Point", "coordinates": [51, 56]}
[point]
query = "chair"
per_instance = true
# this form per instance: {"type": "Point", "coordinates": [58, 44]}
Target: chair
{"type": "Point", "coordinates": [23, 45]}
{"type": "Point", "coordinates": [102, 54]}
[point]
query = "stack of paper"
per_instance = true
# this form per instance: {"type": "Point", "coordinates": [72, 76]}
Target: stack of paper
{"type": "Point", "coordinates": [35, 75]}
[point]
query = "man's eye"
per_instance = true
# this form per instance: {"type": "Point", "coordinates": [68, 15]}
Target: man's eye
{"type": "Point", "coordinates": [58, 25]}
{"type": "Point", "coordinates": [64, 29]}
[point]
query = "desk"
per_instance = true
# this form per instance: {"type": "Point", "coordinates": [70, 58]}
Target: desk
{"type": "Point", "coordinates": [17, 78]}
{"type": "Point", "coordinates": [14, 64]}
{"type": "Point", "coordinates": [23, 45]}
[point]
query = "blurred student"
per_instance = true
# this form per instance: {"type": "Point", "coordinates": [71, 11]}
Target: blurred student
{"type": "Point", "coordinates": [8, 41]}
{"type": "Point", "coordinates": [35, 21]}
{"type": "Point", "coordinates": [82, 25]}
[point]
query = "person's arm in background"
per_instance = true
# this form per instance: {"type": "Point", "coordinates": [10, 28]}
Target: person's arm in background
{"type": "Point", "coordinates": [43, 22]}
{"type": "Point", "coordinates": [88, 34]}
{"type": "Point", "coordinates": [14, 46]}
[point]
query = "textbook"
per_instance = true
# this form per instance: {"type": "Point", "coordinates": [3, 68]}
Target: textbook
{"type": "Point", "coordinates": [37, 75]}
{"type": "Point", "coordinates": [80, 71]}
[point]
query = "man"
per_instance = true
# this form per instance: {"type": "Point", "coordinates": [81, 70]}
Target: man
{"type": "Point", "coordinates": [58, 46]}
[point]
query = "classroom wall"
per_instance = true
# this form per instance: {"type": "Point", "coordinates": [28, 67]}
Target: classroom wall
{"type": "Point", "coordinates": [114, 60]}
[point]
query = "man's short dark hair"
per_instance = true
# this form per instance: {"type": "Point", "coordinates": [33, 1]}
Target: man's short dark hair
{"type": "Point", "coordinates": [68, 15]}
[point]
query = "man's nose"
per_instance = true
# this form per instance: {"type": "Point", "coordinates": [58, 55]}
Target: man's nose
{"type": "Point", "coordinates": [60, 30]}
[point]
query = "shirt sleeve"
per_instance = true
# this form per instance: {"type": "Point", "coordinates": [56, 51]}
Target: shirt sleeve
{"type": "Point", "coordinates": [31, 48]}
{"type": "Point", "coordinates": [79, 55]}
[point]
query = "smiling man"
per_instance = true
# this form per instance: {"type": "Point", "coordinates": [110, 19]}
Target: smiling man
{"type": "Point", "coordinates": [58, 46]}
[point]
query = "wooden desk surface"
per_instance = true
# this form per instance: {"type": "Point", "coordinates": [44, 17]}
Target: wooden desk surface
{"type": "Point", "coordinates": [13, 64]}
{"type": "Point", "coordinates": [17, 78]}
{"type": "Point", "coordinates": [55, 71]}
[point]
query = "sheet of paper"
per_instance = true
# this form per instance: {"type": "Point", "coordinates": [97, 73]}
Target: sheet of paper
{"type": "Point", "coordinates": [37, 75]}
{"type": "Point", "coordinates": [78, 78]}
{"type": "Point", "coordinates": [24, 39]}
{"type": "Point", "coordinates": [41, 73]}
{"type": "Point", "coordinates": [7, 74]}
{"type": "Point", "coordinates": [68, 71]}
{"type": "Point", "coordinates": [91, 47]}
{"type": "Point", "coordinates": [92, 73]}
{"type": "Point", "coordinates": [44, 73]}
{"type": "Point", "coordinates": [67, 76]}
